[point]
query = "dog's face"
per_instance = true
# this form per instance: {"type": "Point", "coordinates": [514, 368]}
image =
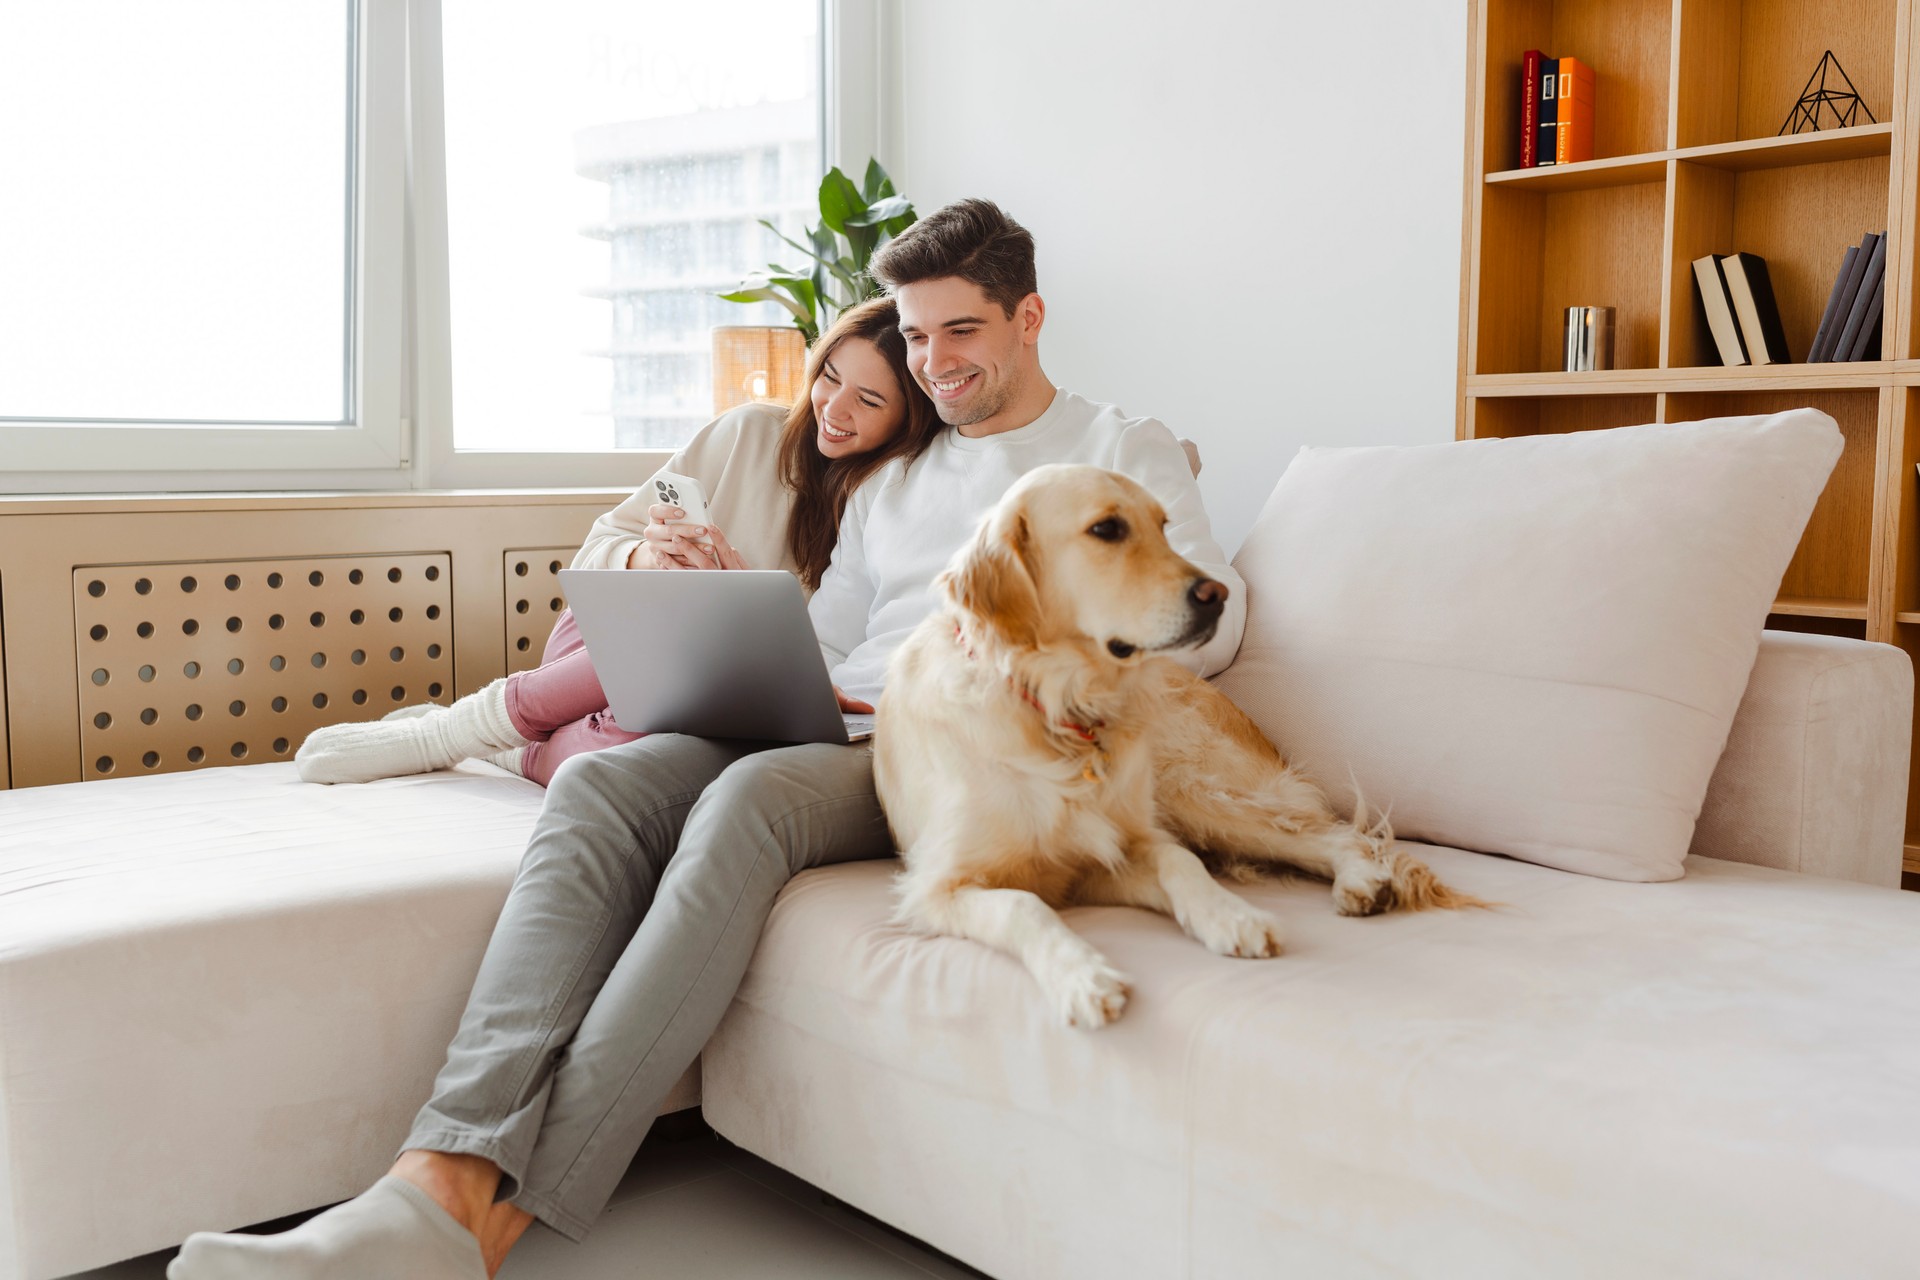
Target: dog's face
{"type": "Point", "coordinates": [1075, 550]}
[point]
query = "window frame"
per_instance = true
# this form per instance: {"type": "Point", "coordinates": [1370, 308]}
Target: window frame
{"type": "Point", "coordinates": [373, 449]}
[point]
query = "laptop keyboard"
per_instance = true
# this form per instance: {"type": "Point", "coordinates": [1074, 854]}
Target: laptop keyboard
{"type": "Point", "coordinates": [858, 727]}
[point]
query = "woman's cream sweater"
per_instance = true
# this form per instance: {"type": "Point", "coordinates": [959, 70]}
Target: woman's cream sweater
{"type": "Point", "coordinates": [736, 459]}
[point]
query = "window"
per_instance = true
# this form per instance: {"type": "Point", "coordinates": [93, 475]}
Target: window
{"type": "Point", "coordinates": [202, 219]}
{"type": "Point", "coordinates": [606, 168]}
{"type": "Point", "coordinates": [252, 246]}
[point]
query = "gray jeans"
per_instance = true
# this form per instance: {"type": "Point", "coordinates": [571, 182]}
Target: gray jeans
{"type": "Point", "coordinates": [628, 929]}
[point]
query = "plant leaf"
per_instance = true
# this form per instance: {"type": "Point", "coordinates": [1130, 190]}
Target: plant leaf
{"type": "Point", "coordinates": [753, 291]}
{"type": "Point", "coordinates": [829, 246]}
{"type": "Point", "coordinates": [832, 261]}
{"type": "Point", "coordinates": [862, 241]}
{"type": "Point", "coordinates": [795, 243]}
{"type": "Point", "coordinates": [839, 200]}
{"type": "Point", "coordinates": [881, 212]}
{"type": "Point", "coordinates": [801, 287]}
{"type": "Point", "coordinates": [877, 185]}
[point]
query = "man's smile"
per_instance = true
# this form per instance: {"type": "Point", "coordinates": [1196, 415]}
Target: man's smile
{"type": "Point", "coordinates": [948, 389]}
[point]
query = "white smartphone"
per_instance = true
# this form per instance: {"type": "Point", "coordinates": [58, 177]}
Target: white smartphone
{"type": "Point", "coordinates": [685, 493]}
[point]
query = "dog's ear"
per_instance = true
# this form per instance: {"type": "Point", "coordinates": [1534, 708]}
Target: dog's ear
{"type": "Point", "coordinates": [993, 581]}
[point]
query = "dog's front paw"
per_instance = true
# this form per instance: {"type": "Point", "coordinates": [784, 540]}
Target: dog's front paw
{"type": "Point", "coordinates": [1232, 928]}
{"type": "Point", "coordinates": [1364, 887]}
{"type": "Point", "coordinates": [1088, 993]}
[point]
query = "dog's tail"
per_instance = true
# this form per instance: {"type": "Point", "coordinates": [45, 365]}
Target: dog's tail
{"type": "Point", "coordinates": [1415, 887]}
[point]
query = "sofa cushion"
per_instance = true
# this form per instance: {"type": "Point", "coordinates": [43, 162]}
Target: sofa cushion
{"type": "Point", "coordinates": [1534, 646]}
{"type": "Point", "coordinates": [224, 994]}
{"type": "Point", "coordinates": [1710, 1078]}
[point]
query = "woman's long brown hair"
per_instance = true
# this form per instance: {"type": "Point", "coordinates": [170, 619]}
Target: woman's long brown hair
{"type": "Point", "coordinates": [822, 485]}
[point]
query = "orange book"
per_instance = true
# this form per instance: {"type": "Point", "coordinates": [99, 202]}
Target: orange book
{"type": "Point", "coordinates": [1573, 139]}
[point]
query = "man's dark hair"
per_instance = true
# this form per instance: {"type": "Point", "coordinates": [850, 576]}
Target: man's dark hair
{"type": "Point", "coordinates": [971, 239]}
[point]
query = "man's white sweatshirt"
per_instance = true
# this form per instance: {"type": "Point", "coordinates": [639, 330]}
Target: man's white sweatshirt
{"type": "Point", "coordinates": [904, 525]}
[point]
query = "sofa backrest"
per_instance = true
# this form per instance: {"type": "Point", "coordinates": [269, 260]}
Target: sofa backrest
{"type": "Point", "coordinates": [1814, 775]}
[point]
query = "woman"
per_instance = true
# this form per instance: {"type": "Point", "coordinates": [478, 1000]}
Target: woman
{"type": "Point", "coordinates": [781, 489]}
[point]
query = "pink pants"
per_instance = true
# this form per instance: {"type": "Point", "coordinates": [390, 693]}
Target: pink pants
{"type": "Point", "coordinates": [560, 705]}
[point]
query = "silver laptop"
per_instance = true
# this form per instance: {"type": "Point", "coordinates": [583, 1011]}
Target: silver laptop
{"type": "Point", "coordinates": [717, 654]}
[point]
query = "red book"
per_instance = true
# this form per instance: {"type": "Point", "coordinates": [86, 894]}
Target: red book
{"type": "Point", "coordinates": [1529, 108]}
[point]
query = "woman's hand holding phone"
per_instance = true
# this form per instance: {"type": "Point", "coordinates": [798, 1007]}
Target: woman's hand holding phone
{"type": "Point", "coordinates": [729, 557]}
{"type": "Point", "coordinates": [680, 546]}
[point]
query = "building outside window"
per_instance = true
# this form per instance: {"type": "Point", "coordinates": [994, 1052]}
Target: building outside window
{"type": "Point", "coordinates": [606, 170]}
{"type": "Point", "coordinates": [684, 198]}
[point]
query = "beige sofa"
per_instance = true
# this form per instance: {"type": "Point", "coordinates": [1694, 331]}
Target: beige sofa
{"type": "Point", "coordinates": [224, 993]}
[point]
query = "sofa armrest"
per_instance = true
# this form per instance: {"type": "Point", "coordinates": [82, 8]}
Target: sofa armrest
{"type": "Point", "coordinates": [1814, 775]}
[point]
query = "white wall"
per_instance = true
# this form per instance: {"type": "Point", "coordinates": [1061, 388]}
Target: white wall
{"type": "Point", "coordinates": [1247, 214]}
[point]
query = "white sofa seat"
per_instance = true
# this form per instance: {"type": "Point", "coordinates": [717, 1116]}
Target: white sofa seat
{"type": "Point", "coordinates": [1712, 1077]}
{"type": "Point", "coordinates": [1716, 1076]}
{"type": "Point", "coordinates": [224, 994]}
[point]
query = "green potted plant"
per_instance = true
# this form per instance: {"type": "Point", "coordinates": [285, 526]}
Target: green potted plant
{"type": "Point", "coordinates": [854, 222]}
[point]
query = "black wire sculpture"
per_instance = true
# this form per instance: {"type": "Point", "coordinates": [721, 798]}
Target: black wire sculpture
{"type": "Point", "coordinates": [1845, 108]}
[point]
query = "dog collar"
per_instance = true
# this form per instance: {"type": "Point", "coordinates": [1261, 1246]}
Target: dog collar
{"type": "Point", "coordinates": [1086, 733]}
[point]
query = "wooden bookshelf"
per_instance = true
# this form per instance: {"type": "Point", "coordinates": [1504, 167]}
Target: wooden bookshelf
{"type": "Point", "coordinates": [1687, 162]}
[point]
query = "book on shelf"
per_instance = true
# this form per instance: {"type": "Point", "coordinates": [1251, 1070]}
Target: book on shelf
{"type": "Point", "coordinates": [1867, 345]}
{"type": "Point", "coordinates": [1718, 303]}
{"type": "Point", "coordinates": [1824, 335]}
{"type": "Point", "coordinates": [1752, 293]}
{"type": "Point", "coordinates": [1863, 299]}
{"type": "Point", "coordinates": [1846, 289]}
{"type": "Point", "coordinates": [1529, 108]}
{"type": "Point", "coordinates": [1573, 141]}
{"type": "Point", "coordinates": [1546, 116]}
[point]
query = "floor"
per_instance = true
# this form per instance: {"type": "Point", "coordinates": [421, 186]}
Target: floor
{"type": "Point", "coordinates": [694, 1205]}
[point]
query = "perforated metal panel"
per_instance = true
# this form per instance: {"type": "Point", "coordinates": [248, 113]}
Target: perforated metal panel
{"type": "Point", "coordinates": [533, 601]}
{"type": "Point", "coordinates": [183, 666]}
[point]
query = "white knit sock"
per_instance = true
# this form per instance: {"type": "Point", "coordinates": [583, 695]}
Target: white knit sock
{"type": "Point", "coordinates": [475, 725]}
{"type": "Point", "coordinates": [393, 1231]}
{"type": "Point", "coordinates": [513, 760]}
{"type": "Point", "coordinates": [413, 712]}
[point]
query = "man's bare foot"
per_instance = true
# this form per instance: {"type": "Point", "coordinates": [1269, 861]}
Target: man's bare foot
{"type": "Point", "coordinates": [505, 1224]}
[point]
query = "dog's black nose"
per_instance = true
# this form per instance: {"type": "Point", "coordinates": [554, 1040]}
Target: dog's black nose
{"type": "Point", "coordinates": [1207, 596]}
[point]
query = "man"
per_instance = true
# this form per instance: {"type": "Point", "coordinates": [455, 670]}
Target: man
{"type": "Point", "coordinates": [654, 864]}
{"type": "Point", "coordinates": [964, 282]}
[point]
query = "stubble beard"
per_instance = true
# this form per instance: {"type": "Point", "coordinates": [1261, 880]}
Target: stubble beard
{"type": "Point", "coordinates": [986, 400]}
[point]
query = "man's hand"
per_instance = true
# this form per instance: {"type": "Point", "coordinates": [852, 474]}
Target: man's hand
{"type": "Point", "coordinates": [851, 705]}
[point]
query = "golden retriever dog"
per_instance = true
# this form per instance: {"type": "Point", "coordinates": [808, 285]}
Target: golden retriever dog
{"type": "Point", "coordinates": [1034, 751]}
